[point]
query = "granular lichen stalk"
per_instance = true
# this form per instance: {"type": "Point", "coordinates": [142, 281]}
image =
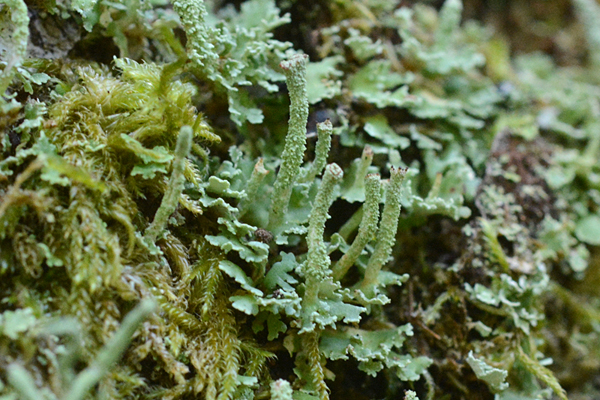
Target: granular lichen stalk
{"type": "Point", "coordinates": [363, 167]}
{"type": "Point", "coordinates": [258, 175]}
{"type": "Point", "coordinates": [367, 228]}
{"type": "Point", "coordinates": [317, 261]}
{"type": "Point", "coordinates": [324, 132]}
{"type": "Point", "coordinates": [103, 204]}
{"type": "Point", "coordinates": [295, 141]}
{"type": "Point", "coordinates": [20, 36]}
{"type": "Point", "coordinates": [316, 267]}
{"type": "Point", "coordinates": [193, 18]}
{"type": "Point", "coordinates": [23, 382]}
{"type": "Point", "coordinates": [111, 352]}
{"type": "Point", "coordinates": [386, 236]}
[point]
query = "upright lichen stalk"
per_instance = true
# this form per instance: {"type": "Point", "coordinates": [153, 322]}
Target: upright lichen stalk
{"type": "Point", "coordinates": [295, 141]}
{"type": "Point", "coordinates": [317, 260]}
{"type": "Point", "coordinates": [20, 36]}
{"type": "Point", "coordinates": [324, 132]}
{"type": "Point", "coordinates": [111, 352]}
{"type": "Point", "coordinates": [589, 12]}
{"type": "Point", "coordinates": [193, 18]}
{"type": "Point", "coordinates": [24, 383]}
{"type": "Point", "coordinates": [316, 269]}
{"type": "Point", "coordinates": [363, 166]}
{"type": "Point", "coordinates": [386, 237]}
{"type": "Point", "coordinates": [258, 174]}
{"type": "Point", "coordinates": [367, 228]}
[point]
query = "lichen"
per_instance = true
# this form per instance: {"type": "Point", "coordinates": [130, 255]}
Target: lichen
{"type": "Point", "coordinates": [424, 225]}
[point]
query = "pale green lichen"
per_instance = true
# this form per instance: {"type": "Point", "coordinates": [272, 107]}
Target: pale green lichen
{"type": "Point", "coordinates": [281, 390]}
{"type": "Point", "coordinates": [83, 382]}
{"type": "Point", "coordinates": [101, 205]}
{"type": "Point", "coordinates": [111, 352]}
{"type": "Point", "coordinates": [258, 175]}
{"type": "Point", "coordinates": [316, 267]}
{"type": "Point", "coordinates": [589, 12]}
{"type": "Point", "coordinates": [410, 395]}
{"type": "Point", "coordinates": [367, 228]}
{"type": "Point", "coordinates": [20, 36]}
{"type": "Point", "coordinates": [295, 142]}
{"type": "Point", "coordinates": [357, 190]}
{"type": "Point", "coordinates": [23, 383]}
{"type": "Point", "coordinates": [317, 261]}
{"type": "Point", "coordinates": [236, 55]}
{"type": "Point", "coordinates": [494, 377]}
{"type": "Point", "coordinates": [324, 132]}
{"type": "Point", "coordinates": [201, 51]}
{"type": "Point", "coordinates": [386, 235]}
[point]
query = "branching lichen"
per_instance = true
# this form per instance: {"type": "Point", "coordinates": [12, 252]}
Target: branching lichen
{"type": "Point", "coordinates": [317, 263]}
{"type": "Point", "coordinates": [270, 274]}
{"type": "Point", "coordinates": [386, 236]}
{"type": "Point", "coordinates": [367, 228]}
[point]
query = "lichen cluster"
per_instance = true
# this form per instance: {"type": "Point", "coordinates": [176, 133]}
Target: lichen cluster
{"type": "Point", "coordinates": [296, 200]}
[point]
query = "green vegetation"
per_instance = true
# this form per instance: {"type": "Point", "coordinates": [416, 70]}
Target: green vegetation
{"type": "Point", "coordinates": [164, 234]}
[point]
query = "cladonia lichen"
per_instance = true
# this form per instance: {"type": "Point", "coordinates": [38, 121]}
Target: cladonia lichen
{"type": "Point", "coordinates": [191, 208]}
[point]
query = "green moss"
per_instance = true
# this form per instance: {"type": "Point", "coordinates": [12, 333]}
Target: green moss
{"type": "Point", "coordinates": [259, 271]}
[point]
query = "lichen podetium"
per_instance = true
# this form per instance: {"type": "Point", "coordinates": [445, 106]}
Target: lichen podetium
{"type": "Point", "coordinates": [295, 143]}
{"type": "Point", "coordinates": [191, 208]}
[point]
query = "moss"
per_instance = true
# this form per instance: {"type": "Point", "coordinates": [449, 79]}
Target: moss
{"type": "Point", "coordinates": [168, 178]}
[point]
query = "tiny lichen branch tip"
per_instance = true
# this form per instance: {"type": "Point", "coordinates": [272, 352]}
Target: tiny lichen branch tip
{"type": "Point", "coordinates": [281, 390]}
{"type": "Point", "coordinates": [324, 132]}
{"type": "Point", "coordinates": [295, 141]}
{"type": "Point", "coordinates": [367, 228]}
{"type": "Point", "coordinates": [368, 152]}
{"type": "Point", "coordinates": [367, 156]}
{"type": "Point", "coordinates": [386, 237]}
{"type": "Point", "coordinates": [258, 174]}
{"type": "Point", "coordinates": [363, 167]}
{"type": "Point", "coordinates": [22, 381]}
{"type": "Point", "coordinates": [296, 63]}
